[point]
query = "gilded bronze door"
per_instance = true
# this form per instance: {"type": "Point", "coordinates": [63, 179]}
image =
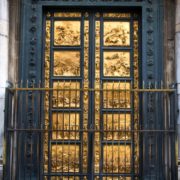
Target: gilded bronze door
{"type": "Point", "coordinates": [91, 64]}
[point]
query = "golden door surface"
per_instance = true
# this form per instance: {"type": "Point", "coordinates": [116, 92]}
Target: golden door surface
{"type": "Point", "coordinates": [91, 63]}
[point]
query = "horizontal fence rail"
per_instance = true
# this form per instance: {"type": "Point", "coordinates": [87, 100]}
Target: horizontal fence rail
{"type": "Point", "coordinates": [40, 146]}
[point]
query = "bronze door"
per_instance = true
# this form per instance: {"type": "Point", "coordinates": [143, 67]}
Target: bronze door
{"type": "Point", "coordinates": [91, 63]}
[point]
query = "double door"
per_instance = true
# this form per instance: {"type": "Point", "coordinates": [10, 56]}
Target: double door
{"type": "Point", "coordinates": [92, 114]}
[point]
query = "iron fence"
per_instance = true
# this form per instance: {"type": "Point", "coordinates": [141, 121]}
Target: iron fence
{"type": "Point", "coordinates": [49, 136]}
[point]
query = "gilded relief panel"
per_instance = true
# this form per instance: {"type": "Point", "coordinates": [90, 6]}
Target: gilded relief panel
{"type": "Point", "coordinates": [116, 178]}
{"type": "Point", "coordinates": [117, 159]}
{"type": "Point", "coordinates": [67, 33]}
{"type": "Point", "coordinates": [116, 64]}
{"type": "Point", "coordinates": [66, 63]}
{"type": "Point", "coordinates": [116, 33]}
{"type": "Point", "coordinates": [115, 126]}
{"type": "Point", "coordinates": [97, 146]}
{"type": "Point", "coordinates": [65, 178]}
{"type": "Point", "coordinates": [116, 15]}
{"type": "Point", "coordinates": [46, 98]}
{"type": "Point", "coordinates": [116, 95]}
{"type": "Point", "coordinates": [136, 95]}
{"type": "Point", "coordinates": [66, 15]}
{"type": "Point", "coordinates": [86, 95]}
{"type": "Point", "coordinates": [65, 158]}
{"type": "Point", "coordinates": [67, 126]}
{"type": "Point", "coordinates": [66, 95]}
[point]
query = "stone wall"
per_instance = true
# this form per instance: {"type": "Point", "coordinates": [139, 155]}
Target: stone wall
{"type": "Point", "coordinates": [4, 23]}
{"type": "Point", "coordinates": [177, 32]}
{"type": "Point", "coordinates": [169, 42]}
{"type": "Point", "coordinates": [14, 40]}
{"type": "Point", "coordinates": [9, 54]}
{"type": "Point", "coordinates": [169, 65]}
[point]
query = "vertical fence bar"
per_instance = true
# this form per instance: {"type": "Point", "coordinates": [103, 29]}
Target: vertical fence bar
{"type": "Point", "coordinates": [8, 110]}
{"type": "Point", "coordinates": [173, 116]}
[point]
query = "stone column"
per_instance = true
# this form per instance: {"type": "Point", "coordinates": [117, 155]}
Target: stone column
{"type": "Point", "coordinates": [4, 24]}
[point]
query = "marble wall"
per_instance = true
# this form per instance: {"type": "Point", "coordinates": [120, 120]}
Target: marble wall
{"type": "Point", "coordinates": [177, 45]}
{"type": "Point", "coordinates": [4, 24]}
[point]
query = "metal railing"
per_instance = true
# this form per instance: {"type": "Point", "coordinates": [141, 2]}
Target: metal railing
{"type": "Point", "coordinates": [148, 134]}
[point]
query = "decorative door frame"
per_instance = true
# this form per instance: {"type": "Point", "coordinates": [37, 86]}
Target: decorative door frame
{"type": "Point", "coordinates": [31, 64]}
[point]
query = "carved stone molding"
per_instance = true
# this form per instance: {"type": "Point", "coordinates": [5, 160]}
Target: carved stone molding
{"type": "Point", "coordinates": [150, 39]}
{"type": "Point", "coordinates": [31, 80]}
